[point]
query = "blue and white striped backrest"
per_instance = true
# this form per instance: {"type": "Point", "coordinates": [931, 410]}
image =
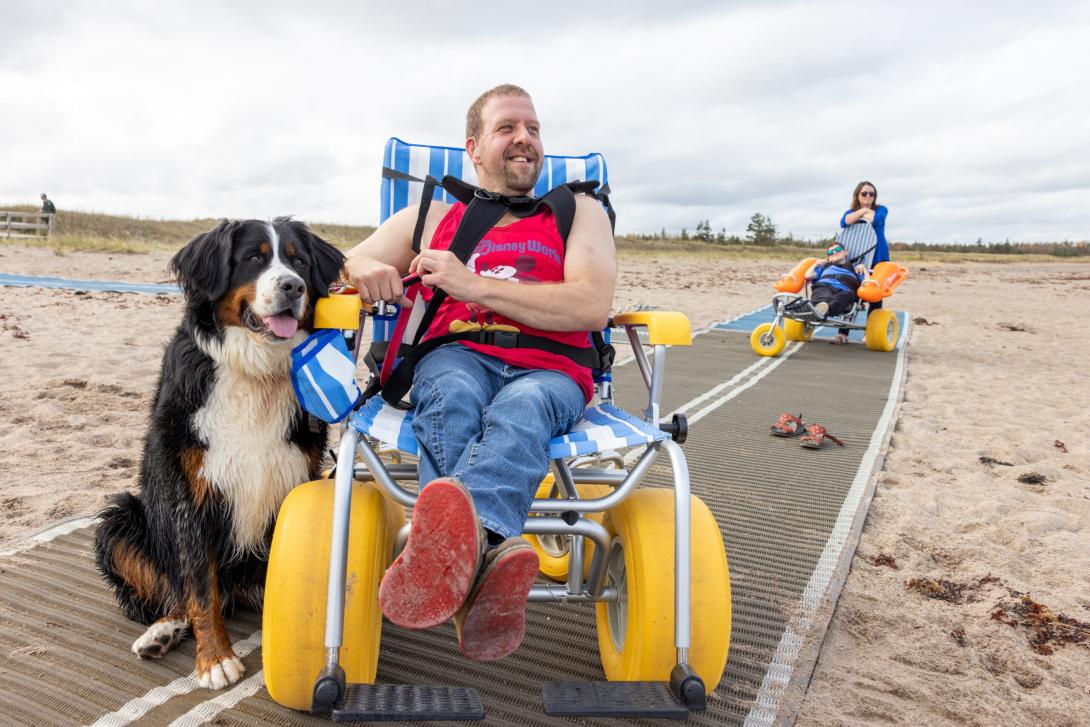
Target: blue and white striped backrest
{"type": "Point", "coordinates": [857, 239]}
{"type": "Point", "coordinates": [418, 160]}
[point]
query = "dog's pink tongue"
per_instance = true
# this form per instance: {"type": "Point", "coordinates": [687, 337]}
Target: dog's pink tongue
{"type": "Point", "coordinates": [282, 326]}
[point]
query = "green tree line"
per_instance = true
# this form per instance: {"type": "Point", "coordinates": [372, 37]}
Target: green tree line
{"type": "Point", "coordinates": [761, 231]}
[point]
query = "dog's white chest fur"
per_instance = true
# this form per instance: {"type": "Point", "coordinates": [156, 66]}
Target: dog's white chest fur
{"type": "Point", "coordinates": [249, 460]}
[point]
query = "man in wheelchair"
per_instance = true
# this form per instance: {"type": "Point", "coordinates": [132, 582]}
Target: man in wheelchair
{"type": "Point", "coordinates": [485, 409]}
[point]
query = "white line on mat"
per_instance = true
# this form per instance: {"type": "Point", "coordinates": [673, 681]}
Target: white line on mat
{"type": "Point", "coordinates": [207, 711]}
{"type": "Point", "coordinates": [136, 708]}
{"type": "Point", "coordinates": [768, 368]}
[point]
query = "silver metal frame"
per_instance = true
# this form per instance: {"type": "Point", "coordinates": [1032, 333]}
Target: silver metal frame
{"type": "Point", "coordinates": [780, 302]}
{"type": "Point", "coordinates": [545, 514]}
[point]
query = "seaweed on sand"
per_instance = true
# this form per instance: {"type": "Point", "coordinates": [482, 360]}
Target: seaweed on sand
{"type": "Point", "coordinates": [1045, 629]}
{"type": "Point", "coordinates": [949, 591]}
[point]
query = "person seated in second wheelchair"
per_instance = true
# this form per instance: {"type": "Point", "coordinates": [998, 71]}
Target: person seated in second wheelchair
{"type": "Point", "coordinates": [484, 414]}
{"type": "Point", "coordinates": [834, 283]}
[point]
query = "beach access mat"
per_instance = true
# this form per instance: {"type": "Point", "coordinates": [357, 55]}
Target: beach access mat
{"type": "Point", "coordinates": [790, 519]}
{"type": "Point", "coordinates": [116, 286]}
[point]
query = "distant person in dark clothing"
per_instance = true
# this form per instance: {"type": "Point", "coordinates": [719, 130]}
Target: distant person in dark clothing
{"type": "Point", "coordinates": [48, 208]}
{"type": "Point", "coordinates": [835, 283]}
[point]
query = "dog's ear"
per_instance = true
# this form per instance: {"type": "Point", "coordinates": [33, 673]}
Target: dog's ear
{"type": "Point", "coordinates": [327, 262]}
{"type": "Point", "coordinates": [203, 267]}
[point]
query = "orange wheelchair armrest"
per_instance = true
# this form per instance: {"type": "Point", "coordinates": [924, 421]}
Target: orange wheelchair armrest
{"type": "Point", "coordinates": [793, 281]}
{"type": "Point", "coordinates": [338, 311]}
{"type": "Point", "coordinates": [882, 281]}
{"type": "Point", "coordinates": [664, 328]}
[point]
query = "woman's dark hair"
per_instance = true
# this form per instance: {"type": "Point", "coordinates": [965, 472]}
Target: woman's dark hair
{"type": "Point", "coordinates": [858, 189]}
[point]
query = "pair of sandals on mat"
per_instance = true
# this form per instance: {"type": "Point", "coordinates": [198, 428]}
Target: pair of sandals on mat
{"type": "Point", "coordinates": [790, 425]}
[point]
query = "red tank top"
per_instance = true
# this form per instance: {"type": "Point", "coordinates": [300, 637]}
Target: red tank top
{"type": "Point", "coordinates": [531, 251]}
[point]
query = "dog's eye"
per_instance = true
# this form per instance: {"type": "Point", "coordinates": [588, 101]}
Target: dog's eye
{"type": "Point", "coordinates": [255, 258]}
{"type": "Point", "coordinates": [299, 263]}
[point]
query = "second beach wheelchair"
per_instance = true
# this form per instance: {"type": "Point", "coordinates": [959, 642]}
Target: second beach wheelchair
{"type": "Point", "coordinates": [796, 319]}
{"type": "Point", "coordinates": [652, 559]}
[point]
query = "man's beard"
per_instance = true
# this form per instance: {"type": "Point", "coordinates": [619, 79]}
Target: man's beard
{"type": "Point", "coordinates": [521, 182]}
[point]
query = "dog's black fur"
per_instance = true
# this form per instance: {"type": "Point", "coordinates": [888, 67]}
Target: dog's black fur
{"type": "Point", "coordinates": [174, 552]}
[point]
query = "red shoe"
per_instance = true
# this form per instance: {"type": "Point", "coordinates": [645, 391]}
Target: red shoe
{"type": "Point", "coordinates": [492, 623]}
{"type": "Point", "coordinates": [430, 579]}
{"type": "Point", "coordinates": [788, 426]}
{"type": "Point", "coordinates": [815, 437]}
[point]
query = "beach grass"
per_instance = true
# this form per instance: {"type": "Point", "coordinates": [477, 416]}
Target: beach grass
{"type": "Point", "coordinates": [94, 232]}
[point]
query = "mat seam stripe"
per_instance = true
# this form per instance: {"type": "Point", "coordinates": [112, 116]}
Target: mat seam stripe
{"type": "Point", "coordinates": [136, 708]}
{"type": "Point", "coordinates": [735, 392]}
{"type": "Point", "coordinates": [50, 533]}
{"type": "Point", "coordinates": [634, 454]}
{"type": "Point", "coordinates": [763, 360]}
{"type": "Point", "coordinates": [208, 710]}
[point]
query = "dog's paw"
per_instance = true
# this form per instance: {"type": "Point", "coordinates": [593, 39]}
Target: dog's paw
{"type": "Point", "coordinates": [161, 637]}
{"type": "Point", "coordinates": [221, 673]}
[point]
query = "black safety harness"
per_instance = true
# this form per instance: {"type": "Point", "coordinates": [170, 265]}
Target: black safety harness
{"type": "Point", "coordinates": [841, 274]}
{"type": "Point", "coordinates": [483, 210]}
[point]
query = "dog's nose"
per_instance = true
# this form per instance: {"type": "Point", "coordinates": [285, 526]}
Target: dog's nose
{"type": "Point", "coordinates": [292, 287]}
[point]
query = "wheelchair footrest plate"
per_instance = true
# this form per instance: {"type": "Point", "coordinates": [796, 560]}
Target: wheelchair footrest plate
{"type": "Point", "coordinates": [646, 700]}
{"type": "Point", "coordinates": [407, 702]}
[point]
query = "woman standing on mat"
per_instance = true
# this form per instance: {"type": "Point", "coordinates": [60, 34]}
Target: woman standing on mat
{"type": "Point", "coordinates": [865, 207]}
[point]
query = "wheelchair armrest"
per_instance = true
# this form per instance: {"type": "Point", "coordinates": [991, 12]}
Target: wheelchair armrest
{"type": "Point", "coordinates": [338, 311]}
{"type": "Point", "coordinates": [664, 328]}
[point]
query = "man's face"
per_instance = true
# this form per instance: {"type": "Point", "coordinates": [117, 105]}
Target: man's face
{"type": "Point", "coordinates": [507, 151]}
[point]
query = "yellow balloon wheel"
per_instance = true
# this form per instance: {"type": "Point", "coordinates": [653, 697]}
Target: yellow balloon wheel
{"type": "Point", "coordinates": [797, 330]}
{"type": "Point", "coordinates": [552, 550]}
{"type": "Point", "coordinates": [636, 633]}
{"type": "Point", "coordinates": [882, 330]}
{"type": "Point", "coordinates": [293, 619]}
{"type": "Point", "coordinates": [767, 340]}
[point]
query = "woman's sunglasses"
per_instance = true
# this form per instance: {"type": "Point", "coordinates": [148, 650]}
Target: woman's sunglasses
{"type": "Point", "coordinates": [834, 250]}
{"type": "Point", "coordinates": [866, 194]}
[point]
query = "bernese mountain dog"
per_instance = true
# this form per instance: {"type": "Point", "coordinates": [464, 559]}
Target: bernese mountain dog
{"type": "Point", "coordinates": [226, 442]}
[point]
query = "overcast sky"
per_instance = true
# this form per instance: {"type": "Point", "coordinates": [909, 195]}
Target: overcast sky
{"type": "Point", "coordinates": [972, 118]}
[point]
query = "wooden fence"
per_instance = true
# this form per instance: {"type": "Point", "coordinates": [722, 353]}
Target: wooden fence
{"type": "Point", "coordinates": [26, 224]}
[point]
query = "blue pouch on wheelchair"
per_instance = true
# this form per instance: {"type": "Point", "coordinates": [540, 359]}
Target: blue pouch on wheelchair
{"type": "Point", "coordinates": [324, 375]}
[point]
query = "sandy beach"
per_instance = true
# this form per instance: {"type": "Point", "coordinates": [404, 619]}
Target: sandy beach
{"type": "Point", "coordinates": [984, 496]}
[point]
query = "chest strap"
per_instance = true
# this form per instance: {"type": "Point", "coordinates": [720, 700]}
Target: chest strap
{"type": "Point", "coordinates": [483, 210]}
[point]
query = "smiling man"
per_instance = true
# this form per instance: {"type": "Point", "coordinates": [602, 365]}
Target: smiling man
{"type": "Point", "coordinates": [485, 413]}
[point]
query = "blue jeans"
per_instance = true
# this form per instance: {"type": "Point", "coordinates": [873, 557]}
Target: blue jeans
{"type": "Point", "coordinates": [487, 424]}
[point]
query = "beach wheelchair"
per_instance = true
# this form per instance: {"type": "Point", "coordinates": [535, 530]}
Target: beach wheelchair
{"type": "Point", "coordinates": [796, 319]}
{"type": "Point", "coordinates": [651, 559]}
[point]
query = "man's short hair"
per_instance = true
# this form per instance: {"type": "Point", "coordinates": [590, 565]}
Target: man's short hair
{"type": "Point", "coordinates": [473, 116]}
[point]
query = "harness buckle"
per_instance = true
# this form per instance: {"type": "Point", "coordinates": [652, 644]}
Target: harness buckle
{"type": "Point", "coordinates": [502, 339]}
{"type": "Point", "coordinates": [606, 354]}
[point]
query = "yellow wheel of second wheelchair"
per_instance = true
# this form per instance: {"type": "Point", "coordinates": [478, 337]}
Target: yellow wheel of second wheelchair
{"type": "Point", "coordinates": [767, 340]}
{"type": "Point", "coordinates": [797, 330]}
{"type": "Point", "coordinates": [882, 330]}
{"type": "Point", "coordinates": [636, 633]}
{"type": "Point", "coordinates": [293, 619]}
{"type": "Point", "coordinates": [553, 550]}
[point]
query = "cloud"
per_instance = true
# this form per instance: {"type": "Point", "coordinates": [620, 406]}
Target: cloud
{"type": "Point", "coordinates": [969, 118]}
